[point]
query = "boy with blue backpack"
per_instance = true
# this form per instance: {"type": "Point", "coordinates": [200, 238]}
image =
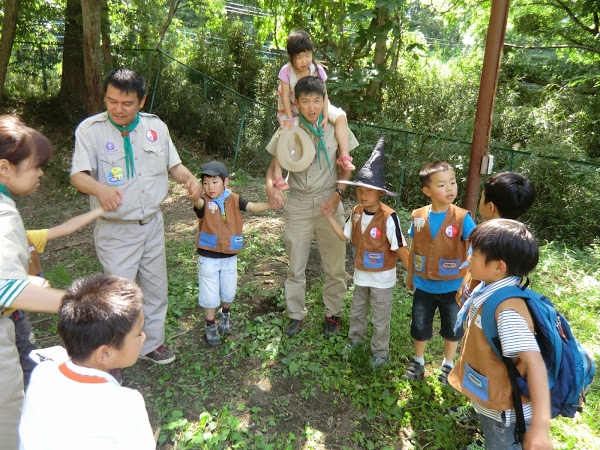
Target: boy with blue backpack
{"type": "Point", "coordinates": [504, 252]}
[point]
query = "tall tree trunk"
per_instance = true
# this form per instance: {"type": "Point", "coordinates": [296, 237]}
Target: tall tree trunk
{"type": "Point", "coordinates": [11, 8]}
{"type": "Point", "coordinates": [105, 30]}
{"type": "Point", "coordinates": [173, 5]}
{"type": "Point", "coordinates": [380, 55]}
{"type": "Point", "coordinates": [90, 13]}
{"type": "Point", "coordinates": [73, 93]}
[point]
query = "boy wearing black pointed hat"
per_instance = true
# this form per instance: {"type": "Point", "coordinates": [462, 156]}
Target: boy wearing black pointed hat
{"type": "Point", "coordinates": [374, 230]}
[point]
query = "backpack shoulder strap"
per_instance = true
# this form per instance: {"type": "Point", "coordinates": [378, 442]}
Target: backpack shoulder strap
{"type": "Point", "coordinates": [490, 330]}
{"type": "Point", "coordinates": [488, 312]}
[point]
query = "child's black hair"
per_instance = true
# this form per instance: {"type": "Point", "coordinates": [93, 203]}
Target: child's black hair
{"type": "Point", "coordinates": [509, 241]}
{"type": "Point", "coordinates": [98, 310]}
{"type": "Point", "coordinates": [510, 192]}
{"type": "Point", "coordinates": [299, 42]}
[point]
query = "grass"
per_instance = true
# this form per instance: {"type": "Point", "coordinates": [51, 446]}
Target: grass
{"type": "Point", "coordinates": [263, 390]}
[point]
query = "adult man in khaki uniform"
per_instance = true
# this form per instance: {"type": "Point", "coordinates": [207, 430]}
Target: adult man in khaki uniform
{"type": "Point", "coordinates": [122, 159]}
{"type": "Point", "coordinates": [309, 189]}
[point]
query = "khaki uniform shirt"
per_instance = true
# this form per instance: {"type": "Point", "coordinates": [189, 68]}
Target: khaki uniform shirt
{"type": "Point", "coordinates": [14, 254]}
{"type": "Point", "coordinates": [99, 150]}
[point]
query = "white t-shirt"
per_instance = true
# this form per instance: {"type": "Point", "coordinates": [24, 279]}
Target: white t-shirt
{"type": "Point", "coordinates": [70, 407]}
{"type": "Point", "coordinates": [385, 278]}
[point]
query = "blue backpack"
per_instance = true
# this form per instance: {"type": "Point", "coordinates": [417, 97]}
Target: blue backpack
{"type": "Point", "coordinates": [570, 369]}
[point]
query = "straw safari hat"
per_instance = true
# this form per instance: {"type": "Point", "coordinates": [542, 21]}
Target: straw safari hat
{"type": "Point", "coordinates": [295, 149]}
{"type": "Point", "coordinates": [371, 174]}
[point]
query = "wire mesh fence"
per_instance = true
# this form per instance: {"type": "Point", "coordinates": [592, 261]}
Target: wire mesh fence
{"type": "Point", "coordinates": [218, 122]}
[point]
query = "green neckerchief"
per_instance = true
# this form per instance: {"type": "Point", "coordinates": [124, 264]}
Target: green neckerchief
{"type": "Point", "coordinates": [127, 143]}
{"type": "Point", "coordinates": [4, 191]}
{"type": "Point", "coordinates": [318, 131]}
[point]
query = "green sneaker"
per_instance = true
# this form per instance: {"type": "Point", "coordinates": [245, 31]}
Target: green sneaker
{"type": "Point", "coordinates": [464, 413]}
{"type": "Point", "coordinates": [477, 444]}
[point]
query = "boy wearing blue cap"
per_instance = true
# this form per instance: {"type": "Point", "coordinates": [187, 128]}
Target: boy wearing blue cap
{"type": "Point", "coordinates": [220, 239]}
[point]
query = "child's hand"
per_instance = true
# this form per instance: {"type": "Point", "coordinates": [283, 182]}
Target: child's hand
{"type": "Point", "coordinates": [325, 210]}
{"type": "Point", "coordinates": [537, 438]}
{"type": "Point", "coordinates": [325, 121]}
{"type": "Point", "coordinates": [193, 188]}
{"type": "Point", "coordinates": [39, 281]}
{"type": "Point", "coordinates": [286, 124]}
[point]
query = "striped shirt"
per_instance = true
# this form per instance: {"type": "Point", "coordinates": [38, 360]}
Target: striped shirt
{"type": "Point", "coordinates": [9, 290]}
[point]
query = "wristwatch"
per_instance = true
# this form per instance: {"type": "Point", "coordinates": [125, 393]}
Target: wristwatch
{"type": "Point", "coordinates": [339, 191]}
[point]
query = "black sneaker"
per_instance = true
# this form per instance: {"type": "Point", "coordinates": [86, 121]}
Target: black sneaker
{"type": "Point", "coordinates": [443, 376]}
{"type": "Point", "coordinates": [212, 334]}
{"type": "Point", "coordinates": [332, 325]}
{"type": "Point", "coordinates": [161, 355]}
{"type": "Point", "coordinates": [224, 321]}
{"type": "Point", "coordinates": [293, 327]}
{"type": "Point", "coordinates": [415, 371]}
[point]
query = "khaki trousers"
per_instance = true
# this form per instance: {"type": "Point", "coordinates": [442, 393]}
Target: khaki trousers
{"type": "Point", "coordinates": [303, 221]}
{"type": "Point", "coordinates": [137, 252]}
{"type": "Point", "coordinates": [380, 300]}
{"type": "Point", "coordinates": [11, 394]}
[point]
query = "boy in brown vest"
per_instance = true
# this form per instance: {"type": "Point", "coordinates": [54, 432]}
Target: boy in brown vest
{"type": "Point", "coordinates": [505, 195]}
{"type": "Point", "coordinates": [504, 251]}
{"type": "Point", "coordinates": [374, 230]}
{"type": "Point", "coordinates": [437, 253]}
{"type": "Point", "coordinates": [220, 239]}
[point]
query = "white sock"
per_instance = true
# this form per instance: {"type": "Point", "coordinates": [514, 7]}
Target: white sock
{"type": "Point", "coordinates": [445, 362]}
{"type": "Point", "coordinates": [420, 360]}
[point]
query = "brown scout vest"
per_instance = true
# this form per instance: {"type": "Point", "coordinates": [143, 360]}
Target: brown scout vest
{"type": "Point", "coordinates": [35, 268]}
{"type": "Point", "coordinates": [218, 234]}
{"type": "Point", "coordinates": [426, 255]}
{"type": "Point", "coordinates": [477, 353]}
{"type": "Point", "coordinates": [373, 253]}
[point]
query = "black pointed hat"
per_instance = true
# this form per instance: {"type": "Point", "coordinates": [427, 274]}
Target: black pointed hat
{"type": "Point", "coordinates": [371, 174]}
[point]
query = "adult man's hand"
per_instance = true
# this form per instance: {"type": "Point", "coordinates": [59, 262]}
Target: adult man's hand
{"type": "Point", "coordinates": [110, 198]}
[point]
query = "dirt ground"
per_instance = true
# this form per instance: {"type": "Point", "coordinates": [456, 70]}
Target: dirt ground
{"type": "Point", "coordinates": [278, 396]}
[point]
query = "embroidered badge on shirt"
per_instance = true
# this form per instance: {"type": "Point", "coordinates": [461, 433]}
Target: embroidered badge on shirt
{"type": "Point", "coordinates": [419, 263]}
{"type": "Point", "coordinates": [451, 231]}
{"type": "Point", "coordinates": [151, 135]}
{"type": "Point", "coordinates": [213, 207]}
{"type": "Point", "coordinates": [375, 233]}
{"type": "Point", "coordinates": [115, 176]}
{"type": "Point", "coordinates": [418, 223]}
{"type": "Point", "coordinates": [374, 258]}
{"type": "Point", "coordinates": [110, 147]}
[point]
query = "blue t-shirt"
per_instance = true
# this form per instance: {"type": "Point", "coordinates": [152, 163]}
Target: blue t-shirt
{"type": "Point", "coordinates": [440, 286]}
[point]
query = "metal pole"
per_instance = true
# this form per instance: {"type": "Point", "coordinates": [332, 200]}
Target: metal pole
{"type": "Point", "coordinates": [485, 104]}
{"type": "Point", "coordinates": [239, 138]}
